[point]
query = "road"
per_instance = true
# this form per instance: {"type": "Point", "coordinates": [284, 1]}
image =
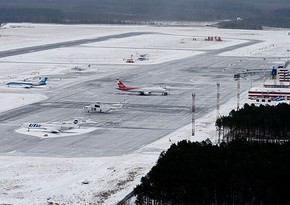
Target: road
{"type": "Point", "coordinates": [148, 118]}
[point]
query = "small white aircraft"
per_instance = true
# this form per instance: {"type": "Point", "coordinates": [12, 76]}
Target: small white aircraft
{"type": "Point", "coordinates": [143, 90]}
{"type": "Point", "coordinates": [104, 107]}
{"type": "Point", "coordinates": [143, 57]}
{"type": "Point", "coordinates": [26, 84]}
{"type": "Point", "coordinates": [53, 127]}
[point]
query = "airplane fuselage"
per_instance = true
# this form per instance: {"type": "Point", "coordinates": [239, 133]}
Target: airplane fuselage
{"type": "Point", "coordinates": [146, 90]}
{"type": "Point", "coordinates": [103, 107]}
{"type": "Point", "coordinates": [142, 90]}
{"type": "Point", "coordinates": [28, 84]}
{"type": "Point", "coordinates": [49, 127]}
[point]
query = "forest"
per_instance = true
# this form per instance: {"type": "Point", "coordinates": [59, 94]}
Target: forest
{"type": "Point", "coordinates": [255, 13]}
{"type": "Point", "coordinates": [238, 172]}
{"type": "Point", "coordinates": [256, 123]}
{"type": "Point", "coordinates": [250, 166]}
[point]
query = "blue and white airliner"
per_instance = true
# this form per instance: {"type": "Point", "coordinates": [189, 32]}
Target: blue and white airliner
{"type": "Point", "coordinates": [55, 127]}
{"type": "Point", "coordinates": [27, 84]}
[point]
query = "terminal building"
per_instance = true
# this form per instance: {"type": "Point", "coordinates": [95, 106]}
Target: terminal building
{"type": "Point", "coordinates": [277, 90]}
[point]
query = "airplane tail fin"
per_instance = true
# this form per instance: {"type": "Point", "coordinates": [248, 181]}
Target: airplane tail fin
{"type": "Point", "coordinates": [75, 123]}
{"type": "Point", "coordinates": [42, 81]}
{"type": "Point", "coordinates": [121, 85]}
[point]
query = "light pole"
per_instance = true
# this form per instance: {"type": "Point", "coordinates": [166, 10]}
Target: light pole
{"type": "Point", "coordinates": [193, 114]}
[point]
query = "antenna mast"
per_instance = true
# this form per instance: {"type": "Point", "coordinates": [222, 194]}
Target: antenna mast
{"type": "Point", "coordinates": [238, 91]}
{"type": "Point", "coordinates": [218, 101]}
{"type": "Point", "coordinates": [193, 115]}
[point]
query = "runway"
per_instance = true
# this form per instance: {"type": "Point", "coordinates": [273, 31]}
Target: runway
{"type": "Point", "coordinates": [33, 49]}
{"type": "Point", "coordinates": [146, 119]}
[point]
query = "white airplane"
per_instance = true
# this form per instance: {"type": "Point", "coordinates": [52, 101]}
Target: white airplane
{"type": "Point", "coordinates": [53, 127]}
{"type": "Point", "coordinates": [143, 57]}
{"type": "Point", "coordinates": [143, 90]}
{"type": "Point", "coordinates": [26, 84]}
{"type": "Point", "coordinates": [104, 107]}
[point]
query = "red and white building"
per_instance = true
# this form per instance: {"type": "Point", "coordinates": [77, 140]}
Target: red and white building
{"type": "Point", "coordinates": [276, 91]}
{"type": "Point", "coordinates": [274, 94]}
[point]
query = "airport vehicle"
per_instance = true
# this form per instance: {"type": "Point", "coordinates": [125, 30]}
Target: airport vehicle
{"type": "Point", "coordinates": [55, 127]}
{"type": "Point", "coordinates": [142, 90]}
{"type": "Point", "coordinates": [26, 84]}
{"type": "Point", "coordinates": [130, 60]}
{"type": "Point", "coordinates": [104, 107]}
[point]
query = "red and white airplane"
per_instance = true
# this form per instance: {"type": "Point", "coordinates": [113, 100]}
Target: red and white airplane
{"type": "Point", "coordinates": [143, 90]}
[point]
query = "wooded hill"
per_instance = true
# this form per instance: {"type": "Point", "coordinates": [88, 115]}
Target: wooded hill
{"type": "Point", "coordinates": [257, 13]}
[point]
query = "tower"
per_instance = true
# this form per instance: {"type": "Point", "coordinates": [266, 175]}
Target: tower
{"type": "Point", "coordinates": [193, 115]}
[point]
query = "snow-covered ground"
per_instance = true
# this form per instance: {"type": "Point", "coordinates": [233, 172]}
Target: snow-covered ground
{"type": "Point", "coordinates": [39, 180]}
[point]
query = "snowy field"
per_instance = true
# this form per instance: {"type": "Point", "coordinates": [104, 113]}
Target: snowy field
{"type": "Point", "coordinates": [39, 180]}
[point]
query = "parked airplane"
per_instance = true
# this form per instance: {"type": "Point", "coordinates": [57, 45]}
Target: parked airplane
{"type": "Point", "coordinates": [52, 127]}
{"type": "Point", "coordinates": [141, 90]}
{"type": "Point", "coordinates": [26, 84]}
{"type": "Point", "coordinates": [104, 107]}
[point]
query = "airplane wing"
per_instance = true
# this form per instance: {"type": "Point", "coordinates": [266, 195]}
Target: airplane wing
{"type": "Point", "coordinates": [52, 130]}
{"type": "Point", "coordinates": [142, 91]}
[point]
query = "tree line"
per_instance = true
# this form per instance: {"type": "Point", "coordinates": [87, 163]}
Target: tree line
{"type": "Point", "coordinates": [260, 123]}
{"type": "Point", "coordinates": [238, 172]}
{"type": "Point", "coordinates": [254, 14]}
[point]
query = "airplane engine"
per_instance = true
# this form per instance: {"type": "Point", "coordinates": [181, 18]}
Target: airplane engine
{"type": "Point", "coordinates": [146, 93]}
